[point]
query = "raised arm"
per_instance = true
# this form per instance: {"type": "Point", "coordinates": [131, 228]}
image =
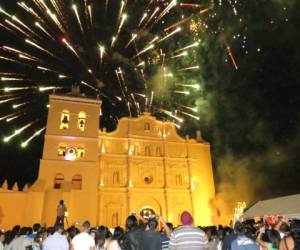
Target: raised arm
{"type": "Point", "coordinates": [164, 224]}
{"type": "Point", "coordinates": [259, 240]}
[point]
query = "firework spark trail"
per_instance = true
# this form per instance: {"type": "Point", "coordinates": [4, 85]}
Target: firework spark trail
{"type": "Point", "coordinates": [64, 40]}
{"type": "Point", "coordinates": [142, 19]}
{"type": "Point", "coordinates": [195, 44]}
{"type": "Point", "coordinates": [30, 11]}
{"type": "Point", "coordinates": [169, 113]}
{"type": "Point", "coordinates": [42, 89]}
{"type": "Point", "coordinates": [102, 51]}
{"type": "Point", "coordinates": [11, 79]}
{"type": "Point", "coordinates": [152, 41]}
{"type": "Point", "coordinates": [178, 23]}
{"type": "Point", "coordinates": [57, 22]}
{"type": "Point", "coordinates": [183, 92]}
{"type": "Point", "coordinates": [28, 58]}
{"type": "Point", "coordinates": [14, 61]}
{"type": "Point", "coordinates": [106, 5]}
{"type": "Point", "coordinates": [122, 6]}
{"type": "Point", "coordinates": [9, 89]}
{"type": "Point", "coordinates": [89, 85]}
{"type": "Point", "coordinates": [190, 115]}
{"type": "Point", "coordinates": [46, 69]}
{"type": "Point", "coordinates": [37, 133]}
{"type": "Point", "coordinates": [8, 116]}
{"type": "Point", "coordinates": [120, 83]}
{"type": "Point", "coordinates": [133, 37]}
{"type": "Point", "coordinates": [178, 55]}
{"type": "Point", "coordinates": [15, 106]}
{"type": "Point", "coordinates": [90, 12]}
{"type": "Point", "coordinates": [124, 17]}
{"type": "Point", "coordinates": [5, 27]}
{"type": "Point", "coordinates": [170, 34]}
{"type": "Point", "coordinates": [24, 25]}
{"type": "Point", "coordinates": [151, 17]}
{"type": "Point", "coordinates": [141, 64]}
{"type": "Point", "coordinates": [20, 53]}
{"type": "Point", "coordinates": [17, 28]}
{"type": "Point", "coordinates": [19, 131]}
{"type": "Point", "coordinates": [74, 7]}
{"type": "Point", "coordinates": [10, 99]}
{"type": "Point", "coordinates": [151, 100]}
{"type": "Point", "coordinates": [166, 10]}
{"type": "Point", "coordinates": [14, 117]}
{"type": "Point", "coordinates": [194, 109]}
{"type": "Point", "coordinates": [190, 5]}
{"type": "Point", "coordinates": [144, 50]}
{"type": "Point", "coordinates": [233, 61]}
{"type": "Point", "coordinates": [40, 47]}
{"type": "Point", "coordinates": [37, 24]}
{"type": "Point", "coordinates": [189, 68]}
{"type": "Point", "coordinates": [57, 8]}
{"type": "Point", "coordinates": [194, 86]}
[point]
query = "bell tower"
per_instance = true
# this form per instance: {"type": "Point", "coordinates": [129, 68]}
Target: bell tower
{"type": "Point", "coordinates": [69, 167]}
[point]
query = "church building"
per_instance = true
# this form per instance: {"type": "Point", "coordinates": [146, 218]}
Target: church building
{"type": "Point", "coordinates": [143, 166]}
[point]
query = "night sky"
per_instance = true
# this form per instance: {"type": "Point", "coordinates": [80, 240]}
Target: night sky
{"type": "Point", "coordinates": [249, 114]}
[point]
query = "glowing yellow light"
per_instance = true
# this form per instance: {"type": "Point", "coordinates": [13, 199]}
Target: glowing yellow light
{"type": "Point", "coordinates": [102, 51]}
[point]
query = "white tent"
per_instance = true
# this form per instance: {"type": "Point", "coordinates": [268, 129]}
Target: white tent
{"type": "Point", "coordinates": [288, 206]}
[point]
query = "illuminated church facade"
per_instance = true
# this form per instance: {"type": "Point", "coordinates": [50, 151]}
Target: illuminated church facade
{"type": "Point", "coordinates": [143, 166]}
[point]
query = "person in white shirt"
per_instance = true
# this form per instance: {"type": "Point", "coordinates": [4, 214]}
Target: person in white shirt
{"type": "Point", "coordinates": [83, 241]}
{"type": "Point", "coordinates": [20, 242]}
{"type": "Point", "coordinates": [2, 238]}
{"type": "Point", "coordinates": [60, 213]}
{"type": "Point", "coordinates": [57, 241]}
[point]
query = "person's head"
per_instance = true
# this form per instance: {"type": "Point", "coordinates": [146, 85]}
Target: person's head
{"type": "Point", "coordinates": [29, 230]}
{"type": "Point", "coordinates": [36, 227]}
{"type": "Point", "coordinates": [61, 202]}
{"type": "Point", "coordinates": [226, 231]}
{"type": "Point", "coordinates": [86, 226]}
{"type": "Point", "coordinates": [170, 226]}
{"type": "Point", "coordinates": [131, 222]}
{"type": "Point", "coordinates": [72, 231]}
{"type": "Point", "coordinates": [273, 236]}
{"type": "Point", "coordinates": [295, 233]}
{"type": "Point", "coordinates": [186, 218]}
{"type": "Point", "coordinates": [118, 233]}
{"type": "Point", "coordinates": [59, 228]}
{"type": "Point", "coordinates": [39, 237]}
{"type": "Point", "coordinates": [23, 231]}
{"type": "Point", "coordinates": [50, 230]}
{"type": "Point", "coordinates": [239, 228]}
{"type": "Point", "coordinates": [152, 224]}
{"type": "Point", "coordinates": [2, 236]}
{"type": "Point", "coordinates": [93, 232]}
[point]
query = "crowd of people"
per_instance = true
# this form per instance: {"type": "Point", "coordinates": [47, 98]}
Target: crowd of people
{"type": "Point", "coordinates": [155, 234]}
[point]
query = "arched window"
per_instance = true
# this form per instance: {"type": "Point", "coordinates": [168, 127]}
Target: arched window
{"type": "Point", "coordinates": [115, 219]}
{"type": "Point", "coordinates": [116, 177]}
{"type": "Point", "coordinates": [147, 126]}
{"type": "Point", "coordinates": [64, 119]}
{"type": "Point", "coordinates": [147, 151]}
{"type": "Point", "coordinates": [77, 181]}
{"type": "Point", "coordinates": [58, 181]}
{"type": "Point", "coordinates": [81, 120]}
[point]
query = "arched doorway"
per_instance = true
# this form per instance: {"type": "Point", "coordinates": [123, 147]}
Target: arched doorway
{"type": "Point", "coordinates": [147, 212]}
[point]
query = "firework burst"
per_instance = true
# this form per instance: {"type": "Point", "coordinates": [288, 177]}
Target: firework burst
{"type": "Point", "coordinates": [134, 55]}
